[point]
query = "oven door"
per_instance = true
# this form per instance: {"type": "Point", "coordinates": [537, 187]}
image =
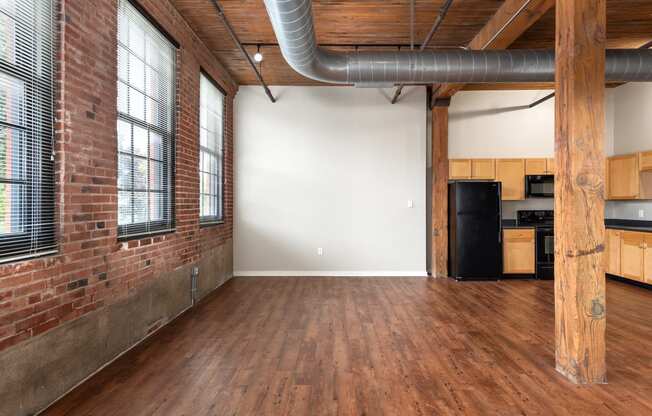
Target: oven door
{"type": "Point", "coordinates": [545, 253]}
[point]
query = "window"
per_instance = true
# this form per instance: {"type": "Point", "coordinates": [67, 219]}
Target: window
{"type": "Point", "coordinates": [146, 71]}
{"type": "Point", "coordinates": [27, 226]}
{"type": "Point", "coordinates": [211, 131]}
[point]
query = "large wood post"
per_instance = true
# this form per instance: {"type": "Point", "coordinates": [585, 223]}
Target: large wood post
{"type": "Point", "coordinates": [439, 230]}
{"type": "Point", "coordinates": [580, 311]}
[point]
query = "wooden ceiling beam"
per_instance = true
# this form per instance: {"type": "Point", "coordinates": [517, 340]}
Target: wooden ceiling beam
{"type": "Point", "coordinates": [511, 20]}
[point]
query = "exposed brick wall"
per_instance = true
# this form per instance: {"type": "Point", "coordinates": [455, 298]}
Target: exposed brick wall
{"type": "Point", "coordinates": [93, 269]}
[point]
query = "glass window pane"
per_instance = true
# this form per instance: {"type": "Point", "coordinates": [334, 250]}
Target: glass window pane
{"type": "Point", "coordinates": [155, 146]}
{"type": "Point", "coordinates": [136, 39]}
{"type": "Point", "coordinates": [156, 208]}
{"type": "Point", "coordinates": [124, 136]}
{"type": "Point", "coordinates": [152, 83]}
{"type": "Point", "coordinates": [123, 103]}
{"type": "Point", "coordinates": [155, 176]}
{"type": "Point", "coordinates": [136, 73]}
{"type": "Point", "coordinates": [136, 104]}
{"type": "Point", "coordinates": [12, 99]}
{"type": "Point", "coordinates": [140, 141]}
{"type": "Point", "coordinates": [123, 66]}
{"type": "Point", "coordinates": [11, 220]}
{"type": "Point", "coordinates": [140, 207]}
{"type": "Point", "coordinates": [7, 39]}
{"type": "Point", "coordinates": [124, 171]}
{"type": "Point", "coordinates": [12, 154]}
{"type": "Point", "coordinates": [124, 208]}
{"type": "Point", "coordinates": [140, 173]}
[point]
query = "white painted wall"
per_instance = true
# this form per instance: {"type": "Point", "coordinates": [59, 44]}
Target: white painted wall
{"type": "Point", "coordinates": [329, 167]}
{"type": "Point", "coordinates": [633, 133]}
{"type": "Point", "coordinates": [499, 124]}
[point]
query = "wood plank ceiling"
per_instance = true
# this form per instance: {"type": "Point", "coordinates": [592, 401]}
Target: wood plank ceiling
{"type": "Point", "coordinates": [383, 25]}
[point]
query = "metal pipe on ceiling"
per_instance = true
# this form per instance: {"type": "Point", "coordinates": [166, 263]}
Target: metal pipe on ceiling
{"type": "Point", "coordinates": [438, 21]}
{"type": "Point", "coordinates": [293, 24]}
{"type": "Point", "coordinates": [234, 36]}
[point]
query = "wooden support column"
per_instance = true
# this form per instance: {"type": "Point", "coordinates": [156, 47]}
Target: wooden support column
{"type": "Point", "coordinates": [439, 233]}
{"type": "Point", "coordinates": [580, 312]}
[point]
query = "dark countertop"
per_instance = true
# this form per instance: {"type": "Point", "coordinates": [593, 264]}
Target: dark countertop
{"type": "Point", "coordinates": [629, 225]}
{"type": "Point", "coordinates": [511, 224]}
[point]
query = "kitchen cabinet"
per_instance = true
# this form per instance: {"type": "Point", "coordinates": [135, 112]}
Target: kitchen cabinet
{"type": "Point", "coordinates": [539, 166]}
{"type": "Point", "coordinates": [459, 169]}
{"type": "Point", "coordinates": [472, 169]}
{"type": "Point", "coordinates": [511, 172]}
{"type": "Point", "coordinates": [519, 251]}
{"type": "Point", "coordinates": [612, 256]}
{"type": "Point", "coordinates": [632, 255]}
{"type": "Point", "coordinates": [645, 161]}
{"type": "Point", "coordinates": [483, 169]}
{"type": "Point", "coordinates": [624, 177]}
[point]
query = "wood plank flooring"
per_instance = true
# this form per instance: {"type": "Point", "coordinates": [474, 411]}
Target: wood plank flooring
{"type": "Point", "coordinates": [337, 346]}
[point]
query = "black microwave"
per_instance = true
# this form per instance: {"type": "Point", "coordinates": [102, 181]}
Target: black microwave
{"type": "Point", "coordinates": [540, 186]}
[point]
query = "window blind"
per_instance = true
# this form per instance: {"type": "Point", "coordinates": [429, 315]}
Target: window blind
{"type": "Point", "coordinates": [146, 81]}
{"type": "Point", "coordinates": [211, 136]}
{"type": "Point", "coordinates": [27, 216]}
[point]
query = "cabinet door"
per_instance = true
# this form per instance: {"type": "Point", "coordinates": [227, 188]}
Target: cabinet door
{"type": "Point", "coordinates": [536, 166]}
{"type": "Point", "coordinates": [519, 251]}
{"type": "Point", "coordinates": [632, 254]}
{"type": "Point", "coordinates": [645, 161]}
{"type": "Point", "coordinates": [623, 177]}
{"type": "Point", "coordinates": [459, 169]}
{"type": "Point", "coordinates": [647, 261]}
{"type": "Point", "coordinates": [612, 253]}
{"type": "Point", "coordinates": [511, 172]}
{"type": "Point", "coordinates": [483, 169]}
{"type": "Point", "coordinates": [550, 166]}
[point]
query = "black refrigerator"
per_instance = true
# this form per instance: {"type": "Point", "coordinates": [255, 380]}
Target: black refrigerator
{"type": "Point", "coordinates": [474, 230]}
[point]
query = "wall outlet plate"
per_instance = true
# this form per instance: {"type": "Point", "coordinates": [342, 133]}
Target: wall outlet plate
{"type": "Point", "coordinates": [410, 203]}
{"type": "Point", "coordinates": [320, 251]}
{"type": "Point", "coordinates": [641, 213]}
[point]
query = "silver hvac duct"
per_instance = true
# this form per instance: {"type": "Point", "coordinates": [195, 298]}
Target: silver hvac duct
{"type": "Point", "coordinates": [293, 25]}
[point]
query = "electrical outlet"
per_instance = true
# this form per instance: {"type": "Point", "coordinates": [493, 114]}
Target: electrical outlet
{"type": "Point", "coordinates": [641, 213]}
{"type": "Point", "coordinates": [320, 251]}
{"type": "Point", "coordinates": [410, 203]}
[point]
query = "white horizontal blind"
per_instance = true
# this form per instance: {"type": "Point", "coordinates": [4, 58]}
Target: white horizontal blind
{"type": "Point", "coordinates": [146, 80]}
{"type": "Point", "coordinates": [27, 225]}
{"type": "Point", "coordinates": [211, 136]}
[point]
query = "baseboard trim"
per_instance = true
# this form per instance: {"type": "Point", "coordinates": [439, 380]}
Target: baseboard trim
{"type": "Point", "coordinates": [327, 273]}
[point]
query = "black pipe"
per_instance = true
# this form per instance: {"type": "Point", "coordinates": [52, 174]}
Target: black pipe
{"type": "Point", "coordinates": [440, 18]}
{"type": "Point", "coordinates": [229, 28]}
{"type": "Point", "coordinates": [541, 100]}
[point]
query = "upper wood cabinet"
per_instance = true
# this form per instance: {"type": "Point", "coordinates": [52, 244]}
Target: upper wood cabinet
{"type": "Point", "coordinates": [483, 169]}
{"type": "Point", "coordinates": [632, 260]}
{"type": "Point", "coordinates": [624, 177]}
{"type": "Point", "coordinates": [511, 172]}
{"type": "Point", "coordinates": [519, 251]}
{"type": "Point", "coordinates": [645, 161]}
{"type": "Point", "coordinates": [472, 169]}
{"type": "Point", "coordinates": [550, 166]}
{"type": "Point", "coordinates": [612, 252]}
{"type": "Point", "coordinates": [459, 169]}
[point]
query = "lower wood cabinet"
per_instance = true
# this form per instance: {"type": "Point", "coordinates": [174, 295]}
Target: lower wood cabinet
{"type": "Point", "coordinates": [628, 254]}
{"type": "Point", "coordinates": [519, 251]}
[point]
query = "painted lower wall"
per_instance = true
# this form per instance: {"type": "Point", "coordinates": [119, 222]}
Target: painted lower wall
{"type": "Point", "coordinates": [331, 168]}
{"type": "Point", "coordinates": [43, 368]}
{"type": "Point", "coordinates": [633, 132]}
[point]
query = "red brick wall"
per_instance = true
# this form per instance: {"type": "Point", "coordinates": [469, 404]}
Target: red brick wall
{"type": "Point", "coordinates": [92, 268]}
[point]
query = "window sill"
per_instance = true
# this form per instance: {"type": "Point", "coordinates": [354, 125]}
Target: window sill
{"type": "Point", "coordinates": [141, 236]}
{"type": "Point", "coordinates": [207, 224]}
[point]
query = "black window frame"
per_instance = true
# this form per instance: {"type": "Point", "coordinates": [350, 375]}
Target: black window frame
{"type": "Point", "coordinates": [38, 236]}
{"type": "Point", "coordinates": [150, 228]}
{"type": "Point", "coordinates": [208, 220]}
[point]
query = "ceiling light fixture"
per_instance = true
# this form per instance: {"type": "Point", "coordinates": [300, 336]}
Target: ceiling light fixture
{"type": "Point", "coordinates": [258, 57]}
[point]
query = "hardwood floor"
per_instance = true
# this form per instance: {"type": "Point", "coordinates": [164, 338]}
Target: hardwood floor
{"type": "Point", "coordinates": [336, 346]}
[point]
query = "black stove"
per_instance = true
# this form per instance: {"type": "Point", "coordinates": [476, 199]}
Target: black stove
{"type": "Point", "coordinates": [544, 223]}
